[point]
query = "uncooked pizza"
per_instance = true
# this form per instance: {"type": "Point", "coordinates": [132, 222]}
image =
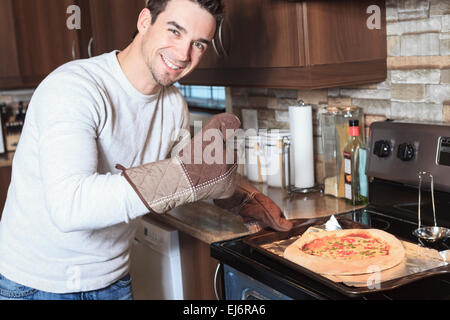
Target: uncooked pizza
{"type": "Point", "coordinates": [346, 252]}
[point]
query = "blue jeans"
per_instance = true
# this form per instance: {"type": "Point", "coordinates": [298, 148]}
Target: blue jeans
{"type": "Point", "coordinates": [120, 290]}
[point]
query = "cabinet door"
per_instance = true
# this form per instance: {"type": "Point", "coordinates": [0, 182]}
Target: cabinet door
{"type": "Point", "coordinates": [258, 34]}
{"type": "Point", "coordinates": [113, 23]}
{"type": "Point", "coordinates": [43, 40]}
{"type": "Point", "coordinates": [9, 66]}
{"type": "Point", "coordinates": [345, 37]}
{"type": "Point", "coordinates": [198, 269]}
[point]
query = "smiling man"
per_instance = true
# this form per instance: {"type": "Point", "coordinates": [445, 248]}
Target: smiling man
{"type": "Point", "coordinates": [171, 44]}
{"type": "Point", "coordinates": [70, 214]}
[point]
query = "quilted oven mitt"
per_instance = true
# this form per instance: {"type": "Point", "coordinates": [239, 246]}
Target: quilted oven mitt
{"type": "Point", "coordinates": [257, 210]}
{"type": "Point", "coordinates": [191, 175]}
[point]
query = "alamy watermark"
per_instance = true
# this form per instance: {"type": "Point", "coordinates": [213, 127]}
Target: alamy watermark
{"type": "Point", "coordinates": [73, 22]}
{"type": "Point", "coordinates": [374, 20]}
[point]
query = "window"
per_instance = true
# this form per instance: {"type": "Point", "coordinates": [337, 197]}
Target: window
{"type": "Point", "coordinates": [204, 98]}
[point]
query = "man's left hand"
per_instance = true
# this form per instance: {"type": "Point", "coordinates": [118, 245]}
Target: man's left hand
{"type": "Point", "coordinates": [257, 210]}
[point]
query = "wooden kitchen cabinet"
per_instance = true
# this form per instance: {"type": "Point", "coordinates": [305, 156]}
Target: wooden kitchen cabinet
{"type": "Point", "coordinates": [249, 29]}
{"type": "Point", "coordinates": [9, 66]}
{"type": "Point", "coordinates": [107, 25]}
{"type": "Point", "coordinates": [285, 44]}
{"type": "Point", "coordinates": [43, 40]}
{"type": "Point", "coordinates": [35, 39]}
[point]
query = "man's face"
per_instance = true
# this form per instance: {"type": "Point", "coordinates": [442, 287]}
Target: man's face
{"type": "Point", "coordinates": [173, 45]}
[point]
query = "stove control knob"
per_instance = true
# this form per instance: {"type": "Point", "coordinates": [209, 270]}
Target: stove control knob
{"type": "Point", "coordinates": [405, 152]}
{"type": "Point", "coordinates": [382, 148]}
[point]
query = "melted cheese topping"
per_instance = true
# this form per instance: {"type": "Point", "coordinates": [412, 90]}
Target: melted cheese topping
{"type": "Point", "coordinates": [355, 246]}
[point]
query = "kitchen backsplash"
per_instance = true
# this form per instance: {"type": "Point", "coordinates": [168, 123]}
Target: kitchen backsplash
{"type": "Point", "coordinates": [417, 86]}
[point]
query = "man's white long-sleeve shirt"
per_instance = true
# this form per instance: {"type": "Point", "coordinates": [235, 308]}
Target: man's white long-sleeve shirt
{"type": "Point", "coordinates": [69, 214]}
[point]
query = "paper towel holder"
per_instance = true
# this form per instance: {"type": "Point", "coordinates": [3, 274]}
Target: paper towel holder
{"type": "Point", "coordinates": [301, 103]}
{"type": "Point", "coordinates": [290, 187]}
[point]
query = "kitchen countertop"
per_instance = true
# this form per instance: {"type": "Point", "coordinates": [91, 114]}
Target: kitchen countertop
{"type": "Point", "coordinates": [209, 223]}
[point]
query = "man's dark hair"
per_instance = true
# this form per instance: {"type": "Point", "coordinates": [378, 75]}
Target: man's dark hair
{"type": "Point", "coordinates": [214, 7]}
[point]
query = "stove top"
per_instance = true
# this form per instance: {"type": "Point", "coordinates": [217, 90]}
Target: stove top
{"type": "Point", "coordinates": [401, 228]}
{"type": "Point", "coordinates": [297, 285]}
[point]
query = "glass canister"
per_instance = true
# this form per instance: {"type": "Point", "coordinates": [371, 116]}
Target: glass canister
{"type": "Point", "coordinates": [255, 160]}
{"type": "Point", "coordinates": [329, 124]}
{"type": "Point", "coordinates": [278, 158]}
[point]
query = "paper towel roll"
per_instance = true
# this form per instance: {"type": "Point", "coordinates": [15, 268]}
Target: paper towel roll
{"type": "Point", "coordinates": [300, 118]}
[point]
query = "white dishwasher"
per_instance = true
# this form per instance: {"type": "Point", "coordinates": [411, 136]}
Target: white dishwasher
{"type": "Point", "coordinates": [155, 262]}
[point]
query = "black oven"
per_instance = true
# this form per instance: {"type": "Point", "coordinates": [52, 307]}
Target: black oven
{"type": "Point", "coordinates": [249, 274]}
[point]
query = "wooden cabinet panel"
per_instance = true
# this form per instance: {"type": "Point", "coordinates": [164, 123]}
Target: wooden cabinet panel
{"type": "Point", "coordinates": [198, 269]}
{"type": "Point", "coordinates": [258, 35]}
{"type": "Point", "coordinates": [345, 36]}
{"type": "Point", "coordinates": [35, 38]}
{"type": "Point", "coordinates": [9, 66]}
{"type": "Point", "coordinates": [43, 43]}
{"type": "Point", "coordinates": [262, 35]}
{"type": "Point", "coordinates": [113, 23]}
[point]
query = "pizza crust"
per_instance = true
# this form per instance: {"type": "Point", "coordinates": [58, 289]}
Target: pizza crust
{"type": "Point", "coordinates": [330, 266]}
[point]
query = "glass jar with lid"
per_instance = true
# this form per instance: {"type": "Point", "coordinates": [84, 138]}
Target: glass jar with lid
{"type": "Point", "coordinates": [255, 159]}
{"type": "Point", "coordinates": [330, 121]}
{"type": "Point", "coordinates": [278, 158]}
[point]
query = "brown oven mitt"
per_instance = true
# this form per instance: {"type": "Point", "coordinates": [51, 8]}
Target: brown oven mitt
{"type": "Point", "coordinates": [203, 169]}
{"type": "Point", "coordinates": [257, 210]}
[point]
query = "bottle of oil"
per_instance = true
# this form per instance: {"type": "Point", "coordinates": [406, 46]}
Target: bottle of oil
{"type": "Point", "coordinates": [355, 192]}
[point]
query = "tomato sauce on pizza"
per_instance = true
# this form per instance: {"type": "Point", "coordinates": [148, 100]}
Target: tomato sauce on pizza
{"type": "Point", "coordinates": [353, 246]}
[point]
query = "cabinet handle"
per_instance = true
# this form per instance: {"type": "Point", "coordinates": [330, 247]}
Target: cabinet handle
{"type": "Point", "coordinates": [215, 48]}
{"type": "Point", "coordinates": [91, 41]}
{"type": "Point", "coordinates": [73, 50]}
{"type": "Point", "coordinates": [225, 53]}
{"type": "Point", "coordinates": [220, 55]}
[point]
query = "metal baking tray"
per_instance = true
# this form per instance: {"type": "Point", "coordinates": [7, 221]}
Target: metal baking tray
{"type": "Point", "coordinates": [283, 239]}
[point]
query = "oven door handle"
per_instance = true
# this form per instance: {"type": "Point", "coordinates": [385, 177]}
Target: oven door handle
{"type": "Point", "coordinates": [250, 294]}
{"type": "Point", "coordinates": [215, 280]}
